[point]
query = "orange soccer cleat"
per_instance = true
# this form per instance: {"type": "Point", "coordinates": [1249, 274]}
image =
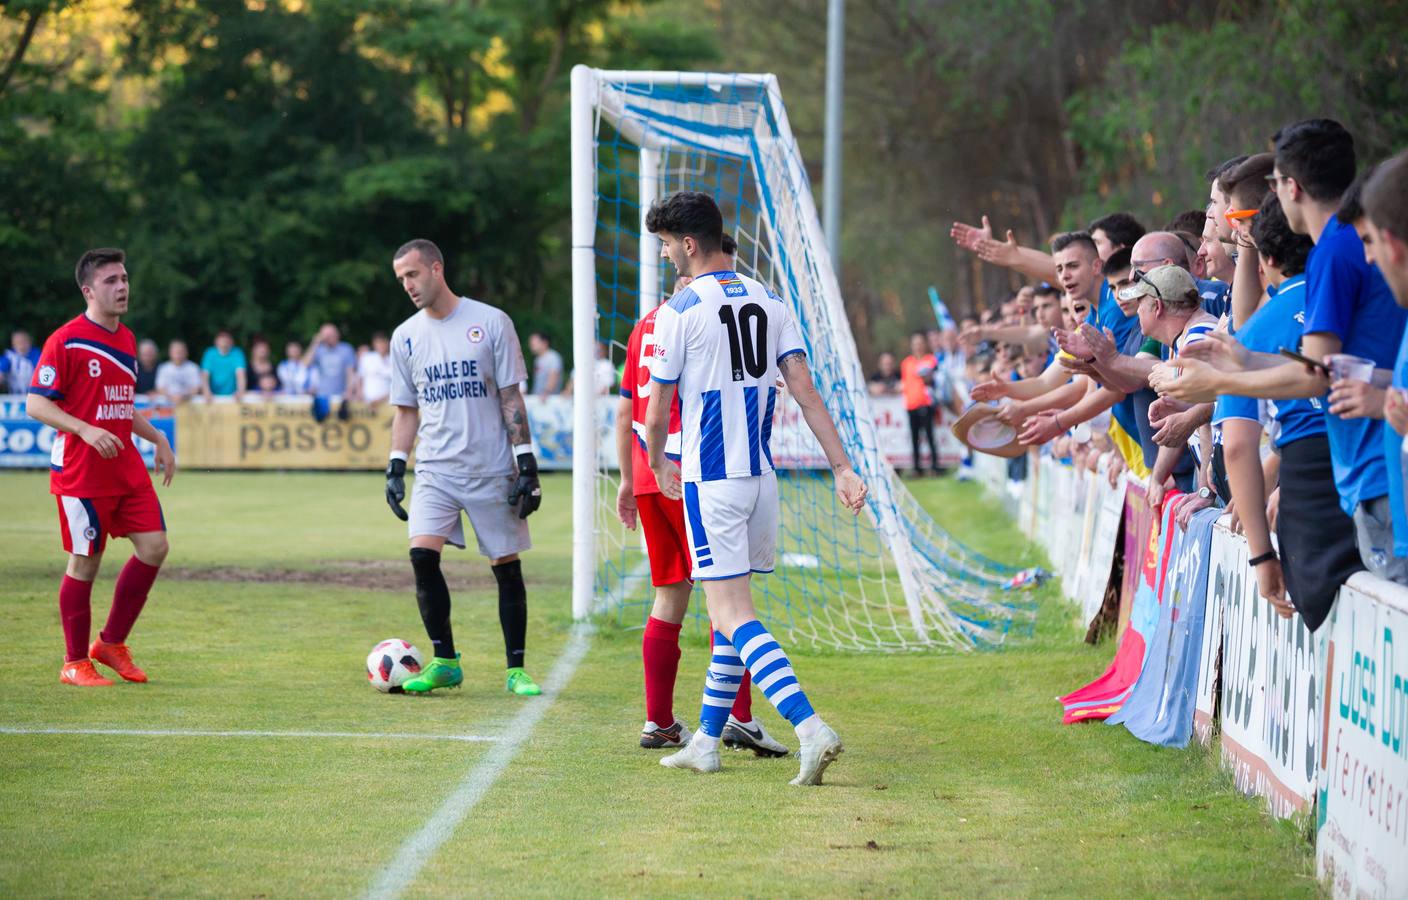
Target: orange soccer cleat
{"type": "Point", "coordinates": [82, 673]}
{"type": "Point", "coordinates": [118, 658]}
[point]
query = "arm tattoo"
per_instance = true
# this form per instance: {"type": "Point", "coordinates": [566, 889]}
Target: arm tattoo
{"type": "Point", "coordinates": [515, 414]}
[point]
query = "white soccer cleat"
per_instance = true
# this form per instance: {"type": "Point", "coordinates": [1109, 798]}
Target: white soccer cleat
{"type": "Point", "coordinates": [752, 736]}
{"type": "Point", "coordinates": [695, 758]}
{"type": "Point", "coordinates": [817, 754]}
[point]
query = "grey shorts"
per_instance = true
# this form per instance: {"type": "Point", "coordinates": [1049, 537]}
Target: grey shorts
{"type": "Point", "coordinates": [436, 502]}
{"type": "Point", "coordinates": [1373, 530]}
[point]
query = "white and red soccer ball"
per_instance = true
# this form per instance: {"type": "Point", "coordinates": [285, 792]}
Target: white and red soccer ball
{"type": "Point", "coordinates": [392, 663]}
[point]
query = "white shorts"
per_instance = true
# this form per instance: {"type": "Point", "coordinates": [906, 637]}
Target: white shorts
{"type": "Point", "coordinates": [732, 526]}
{"type": "Point", "coordinates": [436, 501]}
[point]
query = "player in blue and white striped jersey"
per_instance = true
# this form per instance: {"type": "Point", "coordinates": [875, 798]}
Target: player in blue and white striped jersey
{"type": "Point", "coordinates": [721, 344]}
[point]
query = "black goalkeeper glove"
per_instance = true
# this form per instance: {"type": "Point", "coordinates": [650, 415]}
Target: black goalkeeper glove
{"type": "Point", "coordinates": [527, 494]}
{"type": "Point", "coordinates": [396, 487]}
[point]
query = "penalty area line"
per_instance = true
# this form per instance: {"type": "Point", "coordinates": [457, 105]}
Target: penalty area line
{"type": "Point", "coordinates": [194, 732]}
{"type": "Point", "coordinates": [419, 847]}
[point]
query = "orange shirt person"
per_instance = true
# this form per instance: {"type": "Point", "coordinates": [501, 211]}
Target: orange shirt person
{"type": "Point", "coordinates": [916, 376]}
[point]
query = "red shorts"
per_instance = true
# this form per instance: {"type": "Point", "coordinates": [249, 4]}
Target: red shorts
{"type": "Point", "coordinates": [662, 523]}
{"type": "Point", "coordinates": [86, 523]}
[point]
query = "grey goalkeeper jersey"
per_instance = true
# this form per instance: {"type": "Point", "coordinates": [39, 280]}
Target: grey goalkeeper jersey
{"type": "Point", "coordinates": [452, 370]}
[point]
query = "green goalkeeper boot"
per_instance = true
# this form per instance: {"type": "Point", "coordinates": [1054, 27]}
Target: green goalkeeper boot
{"type": "Point", "coordinates": [441, 673]}
{"type": "Point", "coordinates": [519, 683]}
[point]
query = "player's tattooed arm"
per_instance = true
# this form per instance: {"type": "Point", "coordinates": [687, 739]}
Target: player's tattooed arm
{"type": "Point", "coordinates": [798, 377]}
{"type": "Point", "coordinates": [515, 413]}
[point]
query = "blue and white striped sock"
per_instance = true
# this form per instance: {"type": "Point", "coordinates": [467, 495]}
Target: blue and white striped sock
{"type": "Point", "coordinates": [720, 687]}
{"type": "Point", "coordinates": [772, 671]}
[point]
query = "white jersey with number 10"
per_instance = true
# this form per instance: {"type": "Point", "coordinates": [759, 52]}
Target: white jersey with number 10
{"type": "Point", "coordinates": [720, 340]}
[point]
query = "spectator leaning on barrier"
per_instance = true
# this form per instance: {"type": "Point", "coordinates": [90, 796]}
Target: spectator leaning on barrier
{"type": "Point", "coordinates": [374, 370]}
{"type": "Point", "coordinates": [1349, 310]}
{"type": "Point", "coordinates": [547, 366]}
{"type": "Point", "coordinates": [333, 363]}
{"type": "Point", "coordinates": [295, 378]}
{"type": "Point", "coordinates": [1384, 231]}
{"type": "Point", "coordinates": [885, 380]}
{"type": "Point", "coordinates": [1317, 543]}
{"type": "Point", "coordinates": [17, 365]}
{"type": "Point", "coordinates": [223, 368]}
{"type": "Point", "coordinates": [147, 356]}
{"type": "Point", "coordinates": [263, 377]}
{"type": "Point", "coordinates": [178, 379]}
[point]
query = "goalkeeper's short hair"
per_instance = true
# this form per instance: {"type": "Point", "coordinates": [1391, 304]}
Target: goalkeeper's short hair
{"type": "Point", "coordinates": [688, 214]}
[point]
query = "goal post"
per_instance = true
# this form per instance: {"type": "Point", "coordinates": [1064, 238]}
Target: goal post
{"type": "Point", "coordinates": [890, 579]}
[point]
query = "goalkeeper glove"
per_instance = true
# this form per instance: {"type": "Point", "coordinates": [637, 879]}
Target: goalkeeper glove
{"type": "Point", "coordinates": [527, 494]}
{"type": "Point", "coordinates": [396, 487]}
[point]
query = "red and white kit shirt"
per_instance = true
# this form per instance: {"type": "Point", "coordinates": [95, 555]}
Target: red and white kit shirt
{"type": "Point", "coordinates": [91, 373]}
{"type": "Point", "coordinates": [636, 386]}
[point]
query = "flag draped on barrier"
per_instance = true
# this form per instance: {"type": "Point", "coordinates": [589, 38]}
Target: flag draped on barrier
{"type": "Point", "coordinates": [1160, 708]}
{"type": "Point", "coordinates": [1105, 695]}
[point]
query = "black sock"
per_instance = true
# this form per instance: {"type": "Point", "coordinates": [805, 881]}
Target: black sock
{"type": "Point", "coordinates": [513, 610]}
{"type": "Point", "coordinates": [433, 595]}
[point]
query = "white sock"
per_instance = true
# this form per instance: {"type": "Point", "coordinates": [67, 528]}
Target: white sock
{"type": "Point", "coordinates": [704, 742]}
{"type": "Point", "coordinates": [810, 727]}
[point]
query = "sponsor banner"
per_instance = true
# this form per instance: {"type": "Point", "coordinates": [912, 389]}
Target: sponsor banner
{"type": "Point", "coordinates": [27, 444]}
{"type": "Point", "coordinates": [1362, 834]}
{"type": "Point", "coordinates": [1160, 708]}
{"type": "Point", "coordinates": [1270, 679]}
{"type": "Point", "coordinates": [1138, 523]}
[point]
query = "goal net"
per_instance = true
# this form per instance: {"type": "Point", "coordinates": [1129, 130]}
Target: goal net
{"type": "Point", "coordinates": [889, 579]}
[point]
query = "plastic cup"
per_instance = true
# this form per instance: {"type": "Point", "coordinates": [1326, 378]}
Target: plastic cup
{"type": "Point", "coordinates": [1347, 367]}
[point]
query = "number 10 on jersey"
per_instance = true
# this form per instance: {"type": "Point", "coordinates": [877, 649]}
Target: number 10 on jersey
{"type": "Point", "coordinates": [747, 339]}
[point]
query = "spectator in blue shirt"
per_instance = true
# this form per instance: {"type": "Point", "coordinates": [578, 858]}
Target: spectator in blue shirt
{"type": "Point", "coordinates": [333, 363]}
{"type": "Point", "coordinates": [223, 369]}
{"type": "Point", "coordinates": [17, 365]}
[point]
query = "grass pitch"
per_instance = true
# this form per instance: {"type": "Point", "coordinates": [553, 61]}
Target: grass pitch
{"type": "Point", "coordinates": [958, 776]}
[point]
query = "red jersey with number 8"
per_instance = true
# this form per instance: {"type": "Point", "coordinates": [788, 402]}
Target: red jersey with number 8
{"type": "Point", "coordinates": [91, 373]}
{"type": "Point", "coordinates": [635, 386]}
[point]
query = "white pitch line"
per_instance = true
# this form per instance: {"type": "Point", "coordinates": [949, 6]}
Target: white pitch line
{"type": "Point", "coordinates": [419, 847]}
{"type": "Point", "coordinates": [190, 732]}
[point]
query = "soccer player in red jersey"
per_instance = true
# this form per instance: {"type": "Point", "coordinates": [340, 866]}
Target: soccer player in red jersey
{"type": "Point", "coordinates": [662, 523]}
{"type": "Point", "coordinates": [84, 386]}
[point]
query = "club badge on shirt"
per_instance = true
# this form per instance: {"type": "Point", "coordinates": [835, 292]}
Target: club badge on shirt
{"type": "Point", "coordinates": [475, 334]}
{"type": "Point", "coordinates": [47, 374]}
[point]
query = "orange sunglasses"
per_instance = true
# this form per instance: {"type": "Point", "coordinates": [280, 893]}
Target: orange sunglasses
{"type": "Point", "coordinates": [1232, 215]}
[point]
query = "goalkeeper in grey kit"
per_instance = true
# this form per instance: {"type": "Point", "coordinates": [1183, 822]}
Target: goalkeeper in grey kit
{"type": "Point", "coordinates": [456, 368]}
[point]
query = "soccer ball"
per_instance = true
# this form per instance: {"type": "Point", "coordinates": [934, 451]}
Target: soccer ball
{"type": "Point", "coordinates": [391, 663]}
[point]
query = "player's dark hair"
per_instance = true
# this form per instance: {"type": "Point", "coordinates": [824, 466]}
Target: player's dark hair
{"type": "Point", "coordinates": [1062, 241]}
{"type": "Point", "coordinates": [688, 214]}
{"type": "Point", "coordinates": [1226, 165]}
{"type": "Point", "coordinates": [1119, 261]}
{"type": "Point", "coordinates": [1352, 201]}
{"type": "Point", "coordinates": [1319, 155]}
{"type": "Point", "coordinates": [1121, 228]}
{"type": "Point", "coordinates": [728, 245]}
{"type": "Point", "coordinates": [427, 249]}
{"type": "Point", "coordinates": [91, 261]}
{"type": "Point", "coordinates": [1245, 183]}
{"type": "Point", "coordinates": [1190, 221]}
{"type": "Point", "coordinates": [1275, 240]}
{"type": "Point", "coordinates": [1385, 196]}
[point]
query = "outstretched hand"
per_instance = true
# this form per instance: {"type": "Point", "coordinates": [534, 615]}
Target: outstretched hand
{"type": "Point", "coordinates": [851, 490]}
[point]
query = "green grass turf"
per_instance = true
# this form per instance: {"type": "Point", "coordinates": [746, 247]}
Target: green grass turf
{"type": "Point", "coordinates": [958, 776]}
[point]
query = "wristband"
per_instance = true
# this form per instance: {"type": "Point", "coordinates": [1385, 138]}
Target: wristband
{"type": "Point", "coordinates": [1266, 557]}
{"type": "Point", "coordinates": [397, 454]}
{"type": "Point", "coordinates": [520, 449]}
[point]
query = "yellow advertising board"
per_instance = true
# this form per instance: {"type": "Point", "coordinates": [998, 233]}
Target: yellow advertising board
{"type": "Point", "coordinates": [281, 435]}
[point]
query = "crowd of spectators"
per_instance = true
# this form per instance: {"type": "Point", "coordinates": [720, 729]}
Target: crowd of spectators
{"type": "Point", "coordinates": [1250, 355]}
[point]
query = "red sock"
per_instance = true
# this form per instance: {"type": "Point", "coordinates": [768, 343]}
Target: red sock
{"type": "Point", "coordinates": [743, 701]}
{"type": "Point", "coordinates": [133, 584]}
{"type": "Point", "coordinates": [77, 615]}
{"type": "Point", "coordinates": [660, 652]}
